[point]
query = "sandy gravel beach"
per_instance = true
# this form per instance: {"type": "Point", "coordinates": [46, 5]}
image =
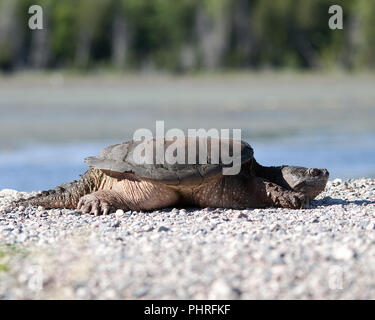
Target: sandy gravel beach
{"type": "Point", "coordinates": [327, 251]}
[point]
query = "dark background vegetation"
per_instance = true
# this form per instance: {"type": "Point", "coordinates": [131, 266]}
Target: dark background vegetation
{"type": "Point", "coordinates": [187, 35]}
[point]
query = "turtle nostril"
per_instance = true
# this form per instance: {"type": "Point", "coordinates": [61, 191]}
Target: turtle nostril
{"type": "Point", "coordinates": [315, 172]}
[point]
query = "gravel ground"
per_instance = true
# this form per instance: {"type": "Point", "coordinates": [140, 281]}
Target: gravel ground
{"type": "Point", "coordinates": [325, 252]}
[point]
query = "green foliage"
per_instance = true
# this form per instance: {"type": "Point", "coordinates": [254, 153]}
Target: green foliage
{"type": "Point", "coordinates": [4, 268]}
{"type": "Point", "coordinates": [63, 31]}
{"type": "Point", "coordinates": [366, 19]}
{"type": "Point", "coordinates": [6, 252]}
{"type": "Point", "coordinates": [282, 33]}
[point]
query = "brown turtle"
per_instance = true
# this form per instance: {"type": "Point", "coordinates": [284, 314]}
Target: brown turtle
{"type": "Point", "coordinates": [117, 179]}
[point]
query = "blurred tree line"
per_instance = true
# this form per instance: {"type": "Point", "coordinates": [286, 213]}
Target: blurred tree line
{"type": "Point", "coordinates": [187, 35]}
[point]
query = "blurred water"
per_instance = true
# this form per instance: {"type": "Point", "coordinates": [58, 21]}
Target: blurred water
{"type": "Point", "coordinates": [47, 128]}
{"type": "Point", "coordinates": [41, 167]}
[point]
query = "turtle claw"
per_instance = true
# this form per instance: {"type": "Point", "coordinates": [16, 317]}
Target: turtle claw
{"type": "Point", "coordinates": [93, 205]}
{"type": "Point", "coordinates": [306, 204]}
{"type": "Point", "coordinates": [295, 201]}
{"type": "Point", "coordinates": [96, 212]}
{"type": "Point", "coordinates": [304, 201]}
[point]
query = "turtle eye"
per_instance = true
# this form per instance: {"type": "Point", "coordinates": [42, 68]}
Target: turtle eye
{"type": "Point", "coordinates": [315, 172]}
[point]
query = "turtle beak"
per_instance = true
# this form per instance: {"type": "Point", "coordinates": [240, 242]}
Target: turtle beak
{"type": "Point", "coordinates": [325, 172]}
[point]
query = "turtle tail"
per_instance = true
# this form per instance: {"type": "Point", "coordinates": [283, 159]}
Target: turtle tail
{"type": "Point", "coordinates": [66, 195]}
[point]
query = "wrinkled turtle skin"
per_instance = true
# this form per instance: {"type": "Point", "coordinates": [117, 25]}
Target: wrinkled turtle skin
{"type": "Point", "coordinates": [117, 179]}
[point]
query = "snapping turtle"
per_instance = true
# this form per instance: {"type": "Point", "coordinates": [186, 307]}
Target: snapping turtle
{"type": "Point", "coordinates": [117, 179]}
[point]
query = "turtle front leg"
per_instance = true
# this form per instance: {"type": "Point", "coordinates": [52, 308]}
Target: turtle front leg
{"type": "Point", "coordinates": [101, 202]}
{"type": "Point", "coordinates": [239, 192]}
{"type": "Point", "coordinates": [271, 194]}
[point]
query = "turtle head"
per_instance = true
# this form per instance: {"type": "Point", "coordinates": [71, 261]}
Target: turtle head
{"type": "Point", "coordinates": [310, 181]}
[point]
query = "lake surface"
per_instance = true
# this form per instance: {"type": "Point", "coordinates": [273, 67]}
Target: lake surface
{"type": "Point", "coordinates": [50, 123]}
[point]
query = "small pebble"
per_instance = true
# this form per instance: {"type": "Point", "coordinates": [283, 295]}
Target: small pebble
{"type": "Point", "coordinates": [242, 215]}
{"type": "Point", "coordinates": [342, 253]}
{"type": "Point", "coordinates": [119, 213]}
{"type": "Point", "coordinates": [162, 228]}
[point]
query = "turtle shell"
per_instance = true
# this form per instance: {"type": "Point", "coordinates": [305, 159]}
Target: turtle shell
{"type": "Point", "coordinates": [172, 160]}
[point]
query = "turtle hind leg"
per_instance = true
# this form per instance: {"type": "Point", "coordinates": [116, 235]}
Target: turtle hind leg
{"type": "Point", "coordinates": [129, 195]}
